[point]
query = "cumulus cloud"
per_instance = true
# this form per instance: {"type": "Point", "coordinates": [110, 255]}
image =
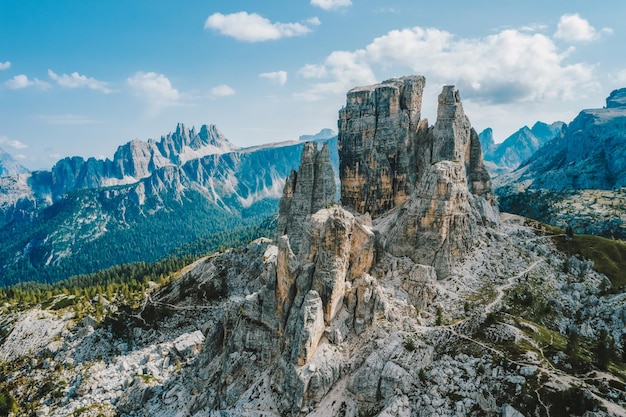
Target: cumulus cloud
{"type": "Point", "coordinates": [12, 143]}
{"type": "Point", "coordinates": [341, 71]}
{"type": "Point", "coordinates": [155, 87]}
{"type": "Point", "coordinates": [251, 27]}
{"type": "Point", "coordinates": [22, 81]}
{"type": "Point", "coordinates": [5, 65]}
{"type": "Point", "coordinates": [313, 21]}
{"type": "Point", "coordinates": [331, 4]}
{"type": "Point", "coordinates": [313, 71]}
{"type": "Point", "coordinates": [75, 80]}
{"type": "Point", "coordinates": [278, 77]}
{"type": "Point", "coordinates": [573, 28]}
{"type": "Point", "coordinates": [509, 66]}
{"type": "Point", "coordinates": [222, 90]}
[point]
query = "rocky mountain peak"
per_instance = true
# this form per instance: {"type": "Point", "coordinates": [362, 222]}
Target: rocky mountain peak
{"type": "Point", "coordinates": [306, 191]}
{"type": "Point", "coordinates": [487, 141]}
{"type": "Point", "coordinates": [9, 166]}
{"type": "Point", "coordinates": [385, 149]}
{"type": "Point", "coordinates": [617, 98]}
{"type": "Point", "coordinates": [377, 133]}
{"type": "Point", "coordinates": [388, 159]}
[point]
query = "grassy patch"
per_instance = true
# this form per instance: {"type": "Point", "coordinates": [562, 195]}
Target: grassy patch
{"type": "Point", "coordinates": [608, 255]}
{"type": "Point", "coordinates": [542, 335]}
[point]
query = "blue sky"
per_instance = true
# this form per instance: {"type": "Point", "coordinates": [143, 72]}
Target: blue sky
{"type": "Point", "coordinates": [82, 77]}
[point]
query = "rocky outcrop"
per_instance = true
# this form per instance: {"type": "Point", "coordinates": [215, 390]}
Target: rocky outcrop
{"type": "Point", "coordinates": [616, 99]}
{"type": "Point", "coordinates": [437, 225]}
{"type": "Point", "coordinates": [435, 176]}
{"type": "Point", "coordinates": [376, 132]}
{"type": "Point", "coordinates": [306, 191]}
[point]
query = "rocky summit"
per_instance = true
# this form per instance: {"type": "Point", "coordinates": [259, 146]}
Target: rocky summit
{"type": "Point", "coordinates": [413, 297]}
{"type": "Point", "coordinates": [434, 177]}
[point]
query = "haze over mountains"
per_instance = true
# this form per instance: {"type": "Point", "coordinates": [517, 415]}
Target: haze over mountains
{"type": "Point", "coordinates": [9, 166]}
{"type": "Point", "coordinates": [154, 196]}
{"type": "Point", "coordinates": [576, 179]}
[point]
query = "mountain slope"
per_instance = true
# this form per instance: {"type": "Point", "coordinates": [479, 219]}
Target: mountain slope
{"type": "Point", "coordinates": [517, 148]}
{"type": "Point", "coordinates": [575, 179]}
{"type": "Point", "coordinates": [68, 221]}
{"type": "Point", "coordinates": [9, 166]}
{"type": "Point", "coordinates": [590, 155]}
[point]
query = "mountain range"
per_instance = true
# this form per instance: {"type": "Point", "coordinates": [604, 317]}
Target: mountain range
{"type": "Point", "coordinates": [576, 179]}
{"type": "Point", "coordinates": [513, 151]}
{"type": "Point", "coordinates": [151, 198]}
{"type": "Point", "coordinates": [412, 296]}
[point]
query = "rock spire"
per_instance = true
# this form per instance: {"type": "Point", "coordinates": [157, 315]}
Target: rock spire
{"type": "Point", "coordinates": [377, 129]}
{"type": "Point", "coordinates": [436, 176]}
{"type": "Point", "coordinates": [306, 191]}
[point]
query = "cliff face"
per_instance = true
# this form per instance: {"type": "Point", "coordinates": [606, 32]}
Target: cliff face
{"type": "Point", "coordinates": [435, 176]}
{"type": "Point", "coordinates": [377, 129]}
{"type": "Point", "coordinates": [306, 191]}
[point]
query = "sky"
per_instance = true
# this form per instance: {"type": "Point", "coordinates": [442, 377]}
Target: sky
{"type": "Point", "coordinates": [81, 77]}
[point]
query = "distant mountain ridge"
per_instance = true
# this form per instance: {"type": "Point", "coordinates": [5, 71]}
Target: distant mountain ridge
{"type": "Point", "coordinates": [517, 148]}
{"type": "Point", "coordinates": [151, 198]}
{"type": "Point", "coordinates": [576, 179]}
{"type": "Point", "coordinates": [133, 161]}
{"type": "Point", "coordinates": [321, 135]}
{"type": "Point", "coordinates": [9, 166]}
{"type": "Point", "coordinates": [591, 154]}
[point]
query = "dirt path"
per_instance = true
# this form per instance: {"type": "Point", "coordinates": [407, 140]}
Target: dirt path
{"type": "Point", "coordinates": [509, 283]}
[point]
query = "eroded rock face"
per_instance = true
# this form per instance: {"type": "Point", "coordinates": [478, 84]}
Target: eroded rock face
{"type": "Point", "coordinates": [376, 128]}
{"type": "Point", "coordinates": [306, 191]}
{"type": "Point", "coordinates": [436, 225]}
{"type": "Point", "coordinates": [435, 175]}
{"type": "Point", "coordinates": [429, 194]}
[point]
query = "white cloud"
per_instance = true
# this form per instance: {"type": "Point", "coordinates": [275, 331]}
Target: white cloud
{"type": "Point", "coordinates": [331, 4]}
{"type": "Point", "coordinates": [509, 66]}
{"type": "Point", "coordinates": [313, 71]}
{"type": "Point", "coordinates": [619, 77]}
{"type": "Point", "coordinates": [5, 65]}
{"type": "Point", "coordinates": [12, 143]}
{"type": "Point", "coordinates": [573, 28]}
{"type": "Point", "coordinates": [345, 70]}
{"type": "Point", "coordinates": [278, 77]}
{"type": "Point", "coordinates": [255, 28]}
{"type": "Point", "coordinates": [21, 81]}
{"type": "Point", "coordinates": [313, 21]}
{"type": "Point", "coordinates": [222, 90]}
{"type": "Point", "coordinates": [75, 80]}
{"type": "Point", "coordinates": [155, 87]}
